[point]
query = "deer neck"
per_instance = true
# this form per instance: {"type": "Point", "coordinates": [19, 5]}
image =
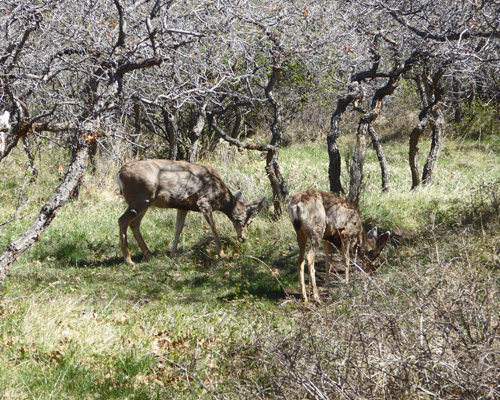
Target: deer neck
{"type": "Point", "coordinates": [229, 204]}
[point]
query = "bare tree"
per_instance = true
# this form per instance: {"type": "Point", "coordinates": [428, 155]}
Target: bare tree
{"type": "Point", "coordinates": [463, 37]}
{"type": "Point", "coordinates": [46, 86]}
{"type": "Point", "coordinates": [431, 95]}
{"type": "Point", "coordinates": [369, 116]}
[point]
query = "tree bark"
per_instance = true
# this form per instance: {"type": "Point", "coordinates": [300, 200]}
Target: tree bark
{"type": "Point", "coordinates": [48, 211]}
{"type": "Point", "coordinates": [278, 184]}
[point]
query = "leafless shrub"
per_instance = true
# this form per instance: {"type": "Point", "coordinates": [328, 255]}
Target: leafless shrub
{"type": "Point", "coordinates": [423, 330]}
{"type": "Point", "coordinates": [485, 204]}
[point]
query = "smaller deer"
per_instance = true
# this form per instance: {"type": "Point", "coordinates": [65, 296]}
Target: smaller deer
{"type": "Point", "coordinates": [180, 185]}
{"type": "Point", "coordinates": [321, 216]}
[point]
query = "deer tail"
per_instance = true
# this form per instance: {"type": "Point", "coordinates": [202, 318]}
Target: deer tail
{"type": "Point", "coordinates": [297, 215]}
{"type": "Point", "coordinates": [119, 182]}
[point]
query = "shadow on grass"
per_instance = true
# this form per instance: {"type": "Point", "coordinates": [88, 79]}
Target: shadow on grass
{"type": "Point", "coordinates": [194, 275]}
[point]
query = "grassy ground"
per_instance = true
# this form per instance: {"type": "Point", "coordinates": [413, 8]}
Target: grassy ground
{"type": "Point", "coordinates": [77, 323]}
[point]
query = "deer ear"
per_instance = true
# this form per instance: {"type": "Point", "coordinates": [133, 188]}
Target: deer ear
{"type": "Point", "coordinates": [382, 240]}
{"type": "Point", "coordinates": [255, 206]}
{"type": "Point", "coordinates": [373, 233]}
{"type": "Point", "coordinates": [238, 195]}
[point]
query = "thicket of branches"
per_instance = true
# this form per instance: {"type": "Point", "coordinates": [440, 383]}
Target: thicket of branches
{"type": "Point", "coordinates": [166, 78]}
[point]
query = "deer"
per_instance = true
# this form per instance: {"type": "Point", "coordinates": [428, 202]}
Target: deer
{"type": "Point", "coordinates": [183, 186]}
{"type": "Point", "coordinates": [321, 216]}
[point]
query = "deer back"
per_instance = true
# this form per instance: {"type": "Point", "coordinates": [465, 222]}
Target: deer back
{"type": "Point", "coordinates": [342, 220]}
{"type": "Point", "coordinates": [173, 184]}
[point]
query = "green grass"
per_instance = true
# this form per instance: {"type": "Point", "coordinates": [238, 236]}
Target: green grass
{"type": "Point", "coordinates": [78, 323]}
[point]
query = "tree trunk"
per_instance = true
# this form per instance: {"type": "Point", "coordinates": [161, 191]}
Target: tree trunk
{"type": "Point", "coordinates": [457, 101]}
{"type": "Point", "coordinates": [381, 158]}
{"type": "Point", "coordinates": [364, 123]}
{"type": "Point", "coordinates": [334, 168]}
{"type": "Point", "coordinates": [358, 160]}
{"type": "Point", "coordinates": [47, 213]}
{"type": "Point", "coordinates": [170, 120]}
{"type": "Point", "coordinates": [278, 184]}
{"type": "Point", "coordinates": [18, 131]}
{"type": "Point", "coordinates": [238, 123]}
{"type": "Point", "coordinates": [31, 158]}
{"type": "Point", "coordinates": [197, 129]}
{"type": "Point", "coordinates": [437, 135]}
{"type": "Point", "coordinates": [431, 95]}
{"type": "Point", "coordinates": [272, 168]}
{"type": "Point", "coordinates": [413, 151]}
{"type": "Point", "coordinates": [137, 128]}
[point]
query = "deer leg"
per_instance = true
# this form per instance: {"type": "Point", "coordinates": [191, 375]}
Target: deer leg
{"type": "Point", "coordinates": [179, 225]}
{"type": "Point", "coordinates": [312, 271]}
{"type": "Point", "coordinates": [135, 226]}
{"type": "Point", "coordinates": [123, 222]}
{"type": "Point", "coordinates": [209, 216]}
{"type": "Point", "coordinates": [328, 247]}
{"type": "Point", "coordinates": [302, 240]}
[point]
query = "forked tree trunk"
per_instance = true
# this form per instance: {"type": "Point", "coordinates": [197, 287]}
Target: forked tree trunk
{"type": "Point", "coordinates": [437, 135]}
{"type": "Point", "coordinates": [272, 168]}
{"type": "Point", "coordinates": [47, 213]}
{"type": "Point", "coordinates": [431, 114]}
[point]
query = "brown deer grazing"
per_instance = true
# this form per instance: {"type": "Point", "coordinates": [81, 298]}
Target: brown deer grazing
{"type": "Point", "coordinates": [320, 216]}
{"type": "Point", "coordinates": [180, 185]}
